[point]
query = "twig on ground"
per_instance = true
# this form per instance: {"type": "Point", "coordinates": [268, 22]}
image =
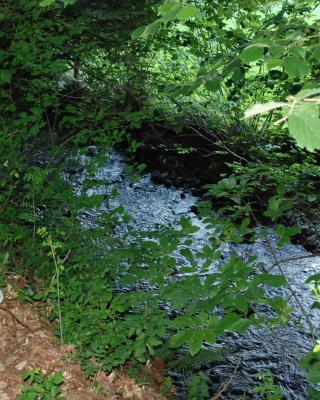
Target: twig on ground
{"type": "Point", "coordinates": [291, 259]}
{"type": "Point", "coordinates": [225, 386]}
{"type": "Point", "coordinates": [291, 289]}
{"type": "Point", "coordinates": [16, 318]}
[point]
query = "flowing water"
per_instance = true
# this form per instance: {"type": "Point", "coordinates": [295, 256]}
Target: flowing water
{"type": "Point", "coordinates": [278, 349]}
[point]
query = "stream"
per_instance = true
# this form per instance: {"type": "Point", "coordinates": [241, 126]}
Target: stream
{"type": "Point", "coordinates": [278, 349]}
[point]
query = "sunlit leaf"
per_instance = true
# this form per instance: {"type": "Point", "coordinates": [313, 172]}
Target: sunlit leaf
{"type": "Point", "coordinates": [261, 108]}
{"type": "Point", "coordinates": [296, 67]}
{"type": "Point", "coordinates": [46, 3]}
{"type": "Point", "coordinates": [298, 51]}
{"type": "Point", "coordinates": [213, 84]}
{"type": "Point", "coordinates": [187, 12]}
{"type": "Point", "coordinates": [276, 50]}
{"type": "Point", "coordinates": [167, 6]}
{"type": "Point", "coordinates": [252, 53]}
{"type": "Point", "coordinates": [313, 278]}
{"type": "Point", "coordinates": [304, 126]}
{"type": "Point", "coordinates": [195, 342]}
{"type": "Point", "coordinates": [270, 280]}
{"type": "Point", "coordinates": [58, 378]}
{"type": "Point", "coordinates": [316, 52]}
{"type": "Point", "coordinates": [304, 93]}
{"type": "Point", "coordinates": [151, 29]}
{"type": "Point", "coordinates": [179, 338]}
{"type": "Point", "coordinates": [171, 14]}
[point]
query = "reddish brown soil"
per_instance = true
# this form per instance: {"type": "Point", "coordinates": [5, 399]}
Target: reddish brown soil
{"type": "Point", "coordinates": [26, 342]}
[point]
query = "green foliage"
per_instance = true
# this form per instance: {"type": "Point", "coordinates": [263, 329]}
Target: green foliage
{"type": "Point", "coordinates": [313, 394]}
{"type": "Point", "coordinates": [272, 185]}
{"type": "Point", "coordinates": [304, 126]}
{"type": "Point", "coordinates": [251, 53]}
{"type": "Point", "coordinates": [40, 387]}
{"type": "Point", "coordinates": [303, 117]}
{"type": "Point", "coordinates": [166, 386]}
{"type": "Point", "coordinates": [314, 280]}
{"type": "Point", "coordinates": [231, 288]}
{"type": "Point", "coordinates": [267, 389]}
{"type": "Point", "coordinates": [198, 388]}
{"type": "Point", "coordinates": [311, 362]}
{"type": "Point", "coordinates": [188, 363]}
{"type": "Point", "coordinates": [46, 3]}
{"type": "Point", "coordinates": [4, 258]}
{"type": "Point", "coordinates": [167, 12]}
{"type": "Point", "coordinates": [111, 329]}
{"type": "Point", "coordinates": [269, 47]}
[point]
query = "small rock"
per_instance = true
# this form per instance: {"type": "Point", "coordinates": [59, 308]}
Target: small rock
{"type": "Point", "coordinates": [21, 365]}
{"type": "Point", "coordinates": [92, 151]}
{"type": "Point", "coordinates": [194, 209]}
{"type": "Point", "coordinates": [4, 396]}
{"type": "Point", "coordinates": [312, 239]}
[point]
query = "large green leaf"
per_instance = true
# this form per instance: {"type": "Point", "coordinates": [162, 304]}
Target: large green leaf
{"type": "Point", "coordinates": [179, 338]}
{"type": "Point", "coordinates": [261, 108]}
{"type": "Point", "coordinates": [187, 12]}
{"type": "Point", "coordinates": [195, 342]}
{"type": "Point", "coordinates": [46, 3]}
{"type": "Point", "coordinates": [233, 323]}
{"type": "Point", "coordinates": [298, 51]}
{"type": "Point", "coordinates": [167, 6]}
{"type": "Point", "coordinates": [311, 362]}
{"type": "Point", "coordinates": [151, 29]}
{"type": "Point", "coordinates": [276, 50]}
{"type": "Point", "coordinates": [171, 14]}
{"type": "Point", "coordinates": [304, 126]}
{"type": "Point", "coordinates": [316, 52]}
{"type": "Point", "coordinates": [285, 234]}
{"type": "Point", "coordinates": [138, 32]}
{"type": "Point", "coordinates": [305, 93]}
{"type": "Point", "coordinates": [213, 84]}
{"type": "Point", "coordinates": [5, 76]}
{"type": "Point", "coordinates": [58, 378]}
{"type": "Point", "coordinates": [296, 67]}
{"type": "Point", "coordinates": [313, 278]}
{"type": "Point", "coordinates": [252, 53]}
{"type": "Point", "coordinates": [270, 280]}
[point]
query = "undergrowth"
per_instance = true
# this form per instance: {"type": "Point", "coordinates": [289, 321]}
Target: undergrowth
{"type": "Point", "coordinates": [109, 294]}
{"type": "Point", "coordinates": [41, 387]}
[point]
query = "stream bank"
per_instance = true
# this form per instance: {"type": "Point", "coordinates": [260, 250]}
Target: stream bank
{"type": "Point", "coordinates": [277, 349]}
{"type": "Point", "coordinates": [192, 159]}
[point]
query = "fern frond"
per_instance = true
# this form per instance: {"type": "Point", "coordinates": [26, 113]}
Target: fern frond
{"type": "Point", "coordinates": [187, 363]}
